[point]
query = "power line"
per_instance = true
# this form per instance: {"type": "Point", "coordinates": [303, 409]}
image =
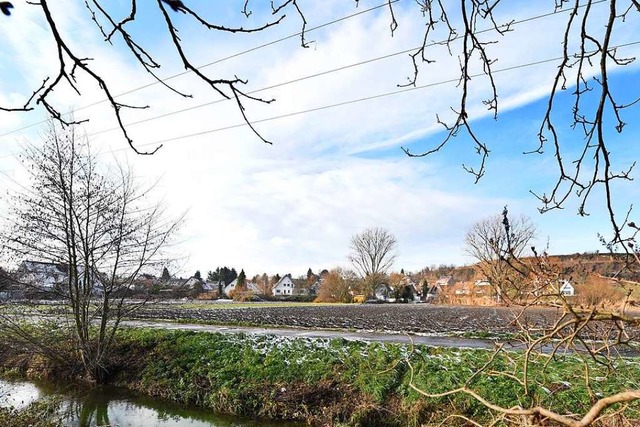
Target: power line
{"type": "Point", "coordinates": [358, 100]}
{"type": "Point", "coordinates": [339, 104]}
{"type": "Point", "coordinates": [217, 61]}
{"type": "Point", "coordinates": [336, 105]}
{"type": "Point", "coordinates": [315, 75]}
{"type": "Point", "coordinates": [354, 101]}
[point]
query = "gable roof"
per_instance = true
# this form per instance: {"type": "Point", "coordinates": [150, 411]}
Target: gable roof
{"type": "Point", "coordinates": [444, 281]}
{"type": "Point", "coordinates": [40, 267]}
{"type": "Point", "coordinates": [286, 279]}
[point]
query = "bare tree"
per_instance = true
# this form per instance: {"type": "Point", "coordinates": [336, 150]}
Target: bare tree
{"type": "Point", "coordinates": [470, 29]}
{"type": "Point", "coordinates": [591, 338]}
{"type": "Point", "coordinates": [94, 222]}
{"type": "Point", "coordinates": [495, 242]}
{"type": "Point", "coordinates": [373, 252]}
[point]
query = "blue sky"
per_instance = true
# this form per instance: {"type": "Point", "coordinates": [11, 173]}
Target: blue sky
{"type": "Point", "coordinates": [330, 173]}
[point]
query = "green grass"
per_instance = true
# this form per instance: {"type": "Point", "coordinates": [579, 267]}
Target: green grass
{"type": "Point", "coordinates": [351, 382]}
{"type": "Point", "coordinates": [246, 374]}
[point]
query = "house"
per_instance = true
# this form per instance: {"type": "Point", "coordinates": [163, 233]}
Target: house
{"type": "Point", "coordinates": [145, 281]}
{"type": "Point", "coordinates": [445, 281]}
{"type": "Point", "coordinates": [566, 288]}
{"type": "Point", "coordinates": [483, 283]}
{"type": "Point", "coordinates": [194, 283]}
{"type": "Point", "coordinates": [463, 288]}
{"type": "Point", "coordinates": [383, 292]}
{"type": "Point", "coordinates": [285, 286]}
{"type": "Point", "coordinates": [46, 276]}
{"type": "Point", "coordinates": [43, 275]}
{"type": "Point", "coordinates": [430, 293]}
{"type": "Point", "coordinates": [314, 288]}
{"type": "Point", "coordinates": [249, 286]}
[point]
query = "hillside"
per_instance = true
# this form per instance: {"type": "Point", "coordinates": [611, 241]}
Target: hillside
{"type": "Point", "coordinates": [576, 267]}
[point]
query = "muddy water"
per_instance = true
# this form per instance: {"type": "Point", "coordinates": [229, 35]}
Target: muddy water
{"type": "Point", "coordinates": [109, 406]}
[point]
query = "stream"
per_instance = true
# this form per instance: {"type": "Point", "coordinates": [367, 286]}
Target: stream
{"type": "Point", "coordinates": [114, 407]}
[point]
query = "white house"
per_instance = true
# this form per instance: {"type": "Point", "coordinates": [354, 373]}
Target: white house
{"type": "Point", "coordinates": [483, 283]}
{"type": "Point", "coordinates": [383, 292]}
{"type": "Point", "coordinates": [44, 275]}
{"type": "Point", "coordinates": [250, 286]}
{"type": "Point", "coordinates": [566, 288]}
{"type": "Point", "coordinates": [285, 286]}
{"type": "Point", "coordinates": [231, 286]}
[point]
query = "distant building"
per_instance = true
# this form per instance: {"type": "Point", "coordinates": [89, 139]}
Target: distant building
{"type": "Point", "coordinates": [383, 292]}
{"type": "Point", "coordinates": [483, 282]}
{"type": "Point", "coordinates": [46, 276]}
{"type": "Point", "coordinates": [43, 275]}
{"type": "Point", "coordinates": [566, 288]}
{"type": "Point", "coordinates": [249, 286]}
{"type": "Point", "coordinates": [285, 286]}
{"type": "Point", "coordinates": [445, 281]}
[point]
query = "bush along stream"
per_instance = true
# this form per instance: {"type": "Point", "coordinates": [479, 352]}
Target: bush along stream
{"type": "Point", "coordinates": [332, 382]}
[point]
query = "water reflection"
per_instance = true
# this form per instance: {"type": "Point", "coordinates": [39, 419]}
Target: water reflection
{"type": "Point", "coordinates": [18, 394]}
{"type": "Point", "coordinates": [108, 406]}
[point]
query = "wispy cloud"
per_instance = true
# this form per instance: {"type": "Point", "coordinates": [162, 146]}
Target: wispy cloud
{"type": "Point", "coordinates": [330, 172]}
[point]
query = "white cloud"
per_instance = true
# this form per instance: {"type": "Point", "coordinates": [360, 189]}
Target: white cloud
{"type": "Point", "coordinates": [329, 174]}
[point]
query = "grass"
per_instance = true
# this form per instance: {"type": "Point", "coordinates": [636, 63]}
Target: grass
{"type": "Point", "coordinates": [339, 381]}
{"type": "Point", "coordinates": [348, 381]}
{"type": "Point", "coordinates": [43, 413]}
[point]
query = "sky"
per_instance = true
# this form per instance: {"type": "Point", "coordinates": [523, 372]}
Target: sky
{"type": "Point", "coordinates": [337, 125]}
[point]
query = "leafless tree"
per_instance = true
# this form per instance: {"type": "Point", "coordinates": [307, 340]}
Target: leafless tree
{"type": "Point", "coordinates": [592, 338]}
{"type": "Point", "coordinates": [373, 252]}
{"type": "Point", "coordinates": [495, 243]}
{"type": "Point", "coordinates": [469, 28]}
{"type": "Point", "coordinates": [94, 221]}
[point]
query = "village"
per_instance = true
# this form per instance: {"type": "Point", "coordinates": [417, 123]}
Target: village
{"type": "Point", "coordinates": [438, 285]}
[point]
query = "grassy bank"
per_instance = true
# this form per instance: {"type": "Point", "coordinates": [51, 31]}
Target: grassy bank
{"type": "Point", "coordinates": [354, 383]}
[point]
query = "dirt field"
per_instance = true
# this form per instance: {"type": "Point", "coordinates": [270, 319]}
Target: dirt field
{"type": "Point", "coordinates": [413, 318]}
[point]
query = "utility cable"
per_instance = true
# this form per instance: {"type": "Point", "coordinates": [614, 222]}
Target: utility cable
{"type": "Point", "coordinates": [217, 61]}
{"type": "Point", "coordinates": [359, 100]}
{"type": "Point", "coordinates": [315, 75]}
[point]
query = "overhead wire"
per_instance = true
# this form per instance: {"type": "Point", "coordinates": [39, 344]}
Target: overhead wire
{"type": "Point", "coordinates": [311, 76]}
{"type": "Point", "coordinates": [217, 61]}
{"type": "Point", "coordinates": [339, 104]}
{"type": "Point", "coordinates": [362, 99]}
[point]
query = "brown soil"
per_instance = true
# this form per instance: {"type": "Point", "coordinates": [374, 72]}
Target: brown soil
{"type": "Point", "coordinates": [413, 318]}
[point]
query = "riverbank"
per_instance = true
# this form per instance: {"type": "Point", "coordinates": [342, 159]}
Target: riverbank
{"type": "Point", "coordinates": [326, 382]}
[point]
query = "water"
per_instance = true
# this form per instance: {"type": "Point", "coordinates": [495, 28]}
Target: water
{"type": "Point", "coordinates": [109, 406]}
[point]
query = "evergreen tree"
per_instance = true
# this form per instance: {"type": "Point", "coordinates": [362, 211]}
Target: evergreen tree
{"type": "Point", "coordinates": [242, 280]}
{"type": "Point", "coordinates": [165, 275]}
{"type": "Point", "coordinates": [213, 276]}
{"type": "Point", "coordinates": [198, 275]}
